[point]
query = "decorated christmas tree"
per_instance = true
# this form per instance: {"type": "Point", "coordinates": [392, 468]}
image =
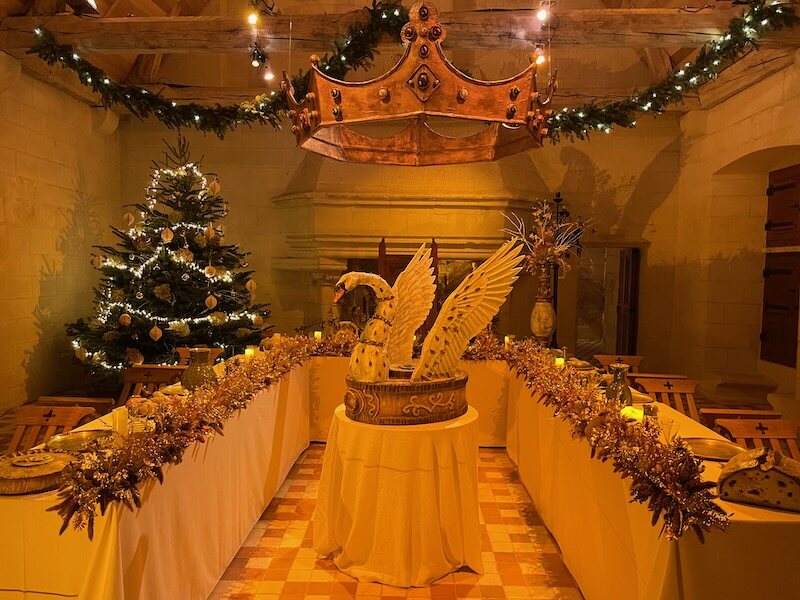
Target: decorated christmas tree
{"type": "Point", "coordinates": [171, 281]}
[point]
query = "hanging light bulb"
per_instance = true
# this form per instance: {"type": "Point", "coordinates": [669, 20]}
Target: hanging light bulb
{"type": "Point", "coordinates": [538, 52]}
{"type": "Point", "coordinates": [257, 55]}
{"type": "Point", "coordinates": [544, 10]}
{"type": "Point", "coordinates": [252, 18]}
{"type": "Point", "coordinates": [268, 74]}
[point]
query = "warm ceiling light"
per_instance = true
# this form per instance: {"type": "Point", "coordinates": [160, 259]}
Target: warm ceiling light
{"type": "Point", "coordinates": [543, 13]}
{"type": "Point", "coordinates": [252, 18]}
{"type": "Point", "coordinates": [538, 52]}
{"type": "Point", "coordinates": [268, 74]}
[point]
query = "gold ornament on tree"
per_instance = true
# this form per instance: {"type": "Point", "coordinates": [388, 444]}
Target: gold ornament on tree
{"type": "Point", "coordinates": [184, 254]}
{"type": "Point", "coordinates": [125, 319]}
{"type": "Point", "coordinates": [129, 219]}
{"type": "Point", "coordinates": [210, 271]}
{"type": "Point", "coordinates": [218, 318]}
{"type": "Point", "coordinates": [81, 353]}
{"type": "Point", "coordinates": [133, 356]}
{"type": "Point", "coordinates": [211, 301]}
{"type": "Point", "coordinates": [214, 187]}
{"type": "Point", "coordinates": [258, 321]}
{"type": "Point", "coordinates": [167, 236]}
{"type": "Point", "coordinates": [251, 285]}
{"type": "Point", "coordinates": [97, 261]}
{"type": "Point", "coordinates": [209, 231]}
{"type": "Point", "coordinates": [155, 333]}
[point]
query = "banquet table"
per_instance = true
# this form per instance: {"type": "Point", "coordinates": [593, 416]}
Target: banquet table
{"type": "Point", "coordinates": [608, 543]}
{"type": "Point", "coordinates": [178, 544]}
{"type": "Point", "coordinates": [399, 504]}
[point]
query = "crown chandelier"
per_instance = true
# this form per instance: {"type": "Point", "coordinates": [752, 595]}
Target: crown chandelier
{"type": "Point", "coordinates": [422, 87]}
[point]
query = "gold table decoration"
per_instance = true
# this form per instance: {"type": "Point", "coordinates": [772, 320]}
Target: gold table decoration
{"type": "Point", "coordinates": [77, 441]}
{"type": "Point", "coordinates": [32, 471]}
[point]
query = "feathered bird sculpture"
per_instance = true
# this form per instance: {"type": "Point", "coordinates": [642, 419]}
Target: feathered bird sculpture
{"type": "Point", "coordinates": [388, 336]}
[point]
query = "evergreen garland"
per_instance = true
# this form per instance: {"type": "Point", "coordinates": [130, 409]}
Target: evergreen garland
{"type": "Point", "coordinates": [357, 49]}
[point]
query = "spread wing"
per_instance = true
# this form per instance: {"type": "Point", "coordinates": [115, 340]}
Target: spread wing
{"type": "Point", "coordinates": [414, 291]}
{"type": "Point", "coordinates": [466, 311]}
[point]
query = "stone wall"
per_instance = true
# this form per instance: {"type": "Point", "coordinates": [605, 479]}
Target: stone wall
{"type": "Point", "coordinates": [59, 191]}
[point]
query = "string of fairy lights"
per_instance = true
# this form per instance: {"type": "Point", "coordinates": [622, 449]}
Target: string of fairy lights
{"type": "Point", "coordinates": [110, 308]}
{"type": "Point", "coordinates": [358, 46]}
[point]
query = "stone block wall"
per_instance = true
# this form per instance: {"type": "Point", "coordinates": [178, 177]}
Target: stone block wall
{"type": "Point", "coordinates": [59, 192]}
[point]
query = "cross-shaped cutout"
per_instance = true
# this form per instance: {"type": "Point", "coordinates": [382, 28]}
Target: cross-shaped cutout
{"type": "Point", "coordinates": [762, 428]}
{"type": "Point", "coordinates": [669, 385]}
{"type": "Point", "coordinates": [619, 359]}
{"type": "Point", "coordinates": [48, 415]}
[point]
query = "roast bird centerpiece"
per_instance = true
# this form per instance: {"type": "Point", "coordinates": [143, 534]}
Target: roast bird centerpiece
{"type": "Point", "coordinates": [383, 385]}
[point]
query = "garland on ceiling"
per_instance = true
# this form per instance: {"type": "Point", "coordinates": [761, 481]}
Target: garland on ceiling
{"type": "Point", "coordinates": [358, 46]}
{"type": "Point", "coordinates": [355, 50]}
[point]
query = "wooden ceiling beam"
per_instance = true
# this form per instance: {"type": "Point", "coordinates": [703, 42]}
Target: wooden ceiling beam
{"type": "Point", "coordinates": [563, 97]}
{"type": "Point", "coordinates": [484, 30]}
{"type": "Point", "coordinates": [743, 74]}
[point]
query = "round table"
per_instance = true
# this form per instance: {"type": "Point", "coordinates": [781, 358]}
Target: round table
{"type": "Point", "coordinates": [399, 504]}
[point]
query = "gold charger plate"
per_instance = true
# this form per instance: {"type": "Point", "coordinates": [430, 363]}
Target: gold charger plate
{"type": "Point", "coordinates": [77, 441]}
{"type": "Point", "coordinates": [32, 471]}
{"type": "Point", "coordinates": [713, 448]}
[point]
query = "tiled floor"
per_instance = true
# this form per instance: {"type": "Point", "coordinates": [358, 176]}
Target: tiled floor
{"type": "Point", "coordinates": [520, 557]}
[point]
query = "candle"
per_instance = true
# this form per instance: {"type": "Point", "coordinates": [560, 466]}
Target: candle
{"type": "Point", "coordinates": [318, 335]}
{"type": "Point", "coordinates": [560, 361]}
{"type": "Point", "coordinates": [508, 340]}
{"type": "Point", "coordinates": [250, 351]}
{"type": "Point", "coordinates": [631, 412]}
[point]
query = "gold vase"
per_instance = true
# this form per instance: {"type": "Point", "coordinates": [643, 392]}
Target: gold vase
{"type": "Point", "coordinates": [543, 316]}
{"type": "Point", "coordinates": [199, 371]}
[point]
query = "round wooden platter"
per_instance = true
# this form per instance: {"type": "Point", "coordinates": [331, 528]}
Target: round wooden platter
{"type": "Point", "coordinates": [32, 471]}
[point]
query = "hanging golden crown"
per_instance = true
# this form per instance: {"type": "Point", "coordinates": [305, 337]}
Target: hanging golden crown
{"type": "Point", "coordinates": [422, 86]}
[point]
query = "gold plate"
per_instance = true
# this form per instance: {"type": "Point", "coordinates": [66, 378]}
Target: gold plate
{"type": "Point", "coordinates": [77, 441]}
{"type": "Point", "coordinates": [32, 460]}
{"type": "Point", "coordinates": [713, 449]}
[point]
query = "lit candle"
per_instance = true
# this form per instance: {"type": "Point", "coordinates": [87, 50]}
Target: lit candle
{"type": "Point", "coordinates": [632, 412]}
{"type": "Point", "coordinates": [507, 340]}
{"type": "Point", "coordinates": [560, 361]}
{"type": "Point", "coordinates": [250, 351]}
{"type": "Point", "coordinates": [318, 335]}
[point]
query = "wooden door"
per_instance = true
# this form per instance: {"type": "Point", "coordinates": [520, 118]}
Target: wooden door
{"type": "Point", "coordinates": [628, 301]}
{"type": "Point", "coordinates": [780, 309]}
{"type": "Point", "coordinates": [783, 208]}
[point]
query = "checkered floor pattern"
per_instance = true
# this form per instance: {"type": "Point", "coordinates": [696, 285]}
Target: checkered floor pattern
{"type": "Point", "coordinates": [277, 562]}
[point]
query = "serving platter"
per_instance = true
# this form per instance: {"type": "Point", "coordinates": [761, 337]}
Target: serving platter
{"type": "Point", "coordinates": [713, 448]}
{"type": "Point", "coordinates": [77, 441]}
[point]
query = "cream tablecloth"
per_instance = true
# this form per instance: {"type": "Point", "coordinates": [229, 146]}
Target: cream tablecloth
{"type": "Point", "coordinates": [186, 533]}
{"type": "Point", "coordinates": [608, 543]}
{"type": "Point", "coordinates": [399, 504]}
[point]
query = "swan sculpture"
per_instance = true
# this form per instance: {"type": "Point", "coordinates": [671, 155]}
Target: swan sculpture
{"type": "Point", "coordinates": [388, 336]}
{"type": "Point", "coordinates": [436, 391]}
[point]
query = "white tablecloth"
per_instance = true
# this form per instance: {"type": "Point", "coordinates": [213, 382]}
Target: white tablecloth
{"type": "Point", "coordinates": [608, 543]}
{"type": "Point", "coordinates": [399, 504]}
{"type": "Point", "coordinates": [186, 533]}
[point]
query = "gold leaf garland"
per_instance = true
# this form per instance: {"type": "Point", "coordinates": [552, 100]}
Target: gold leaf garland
{"type": "Point", "coordinates": [665, 476]}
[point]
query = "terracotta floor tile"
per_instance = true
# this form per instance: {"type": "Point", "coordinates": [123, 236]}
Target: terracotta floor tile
{"type": "Point", "coordinates": [520, 557]}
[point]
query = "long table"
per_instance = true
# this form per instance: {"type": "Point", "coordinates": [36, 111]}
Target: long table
{"type": "Point", "coordinates": [608, 543]}
{"type": "Point", "coordinates": [188, 529]}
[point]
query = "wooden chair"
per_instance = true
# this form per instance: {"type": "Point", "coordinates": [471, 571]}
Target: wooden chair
{"type": "Point", "coordinates": [709, 416]}
{"type": "Point", "coordinates": [779, 434]}
{"type": "Point", "coordinates": [183, 355]}
{"type": "Point", "coordinates": [677, 393]}
{"type": "Point", "coordinates": [100, 405]}
{"type": "Point", "coordinates": [628, 359]}
{"type": "Point", "coordinates": [35, 422]}
{"type": "Point", "coordinates": [635, 379]}
{"type": "Point", "coordinates": [148, 378]}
